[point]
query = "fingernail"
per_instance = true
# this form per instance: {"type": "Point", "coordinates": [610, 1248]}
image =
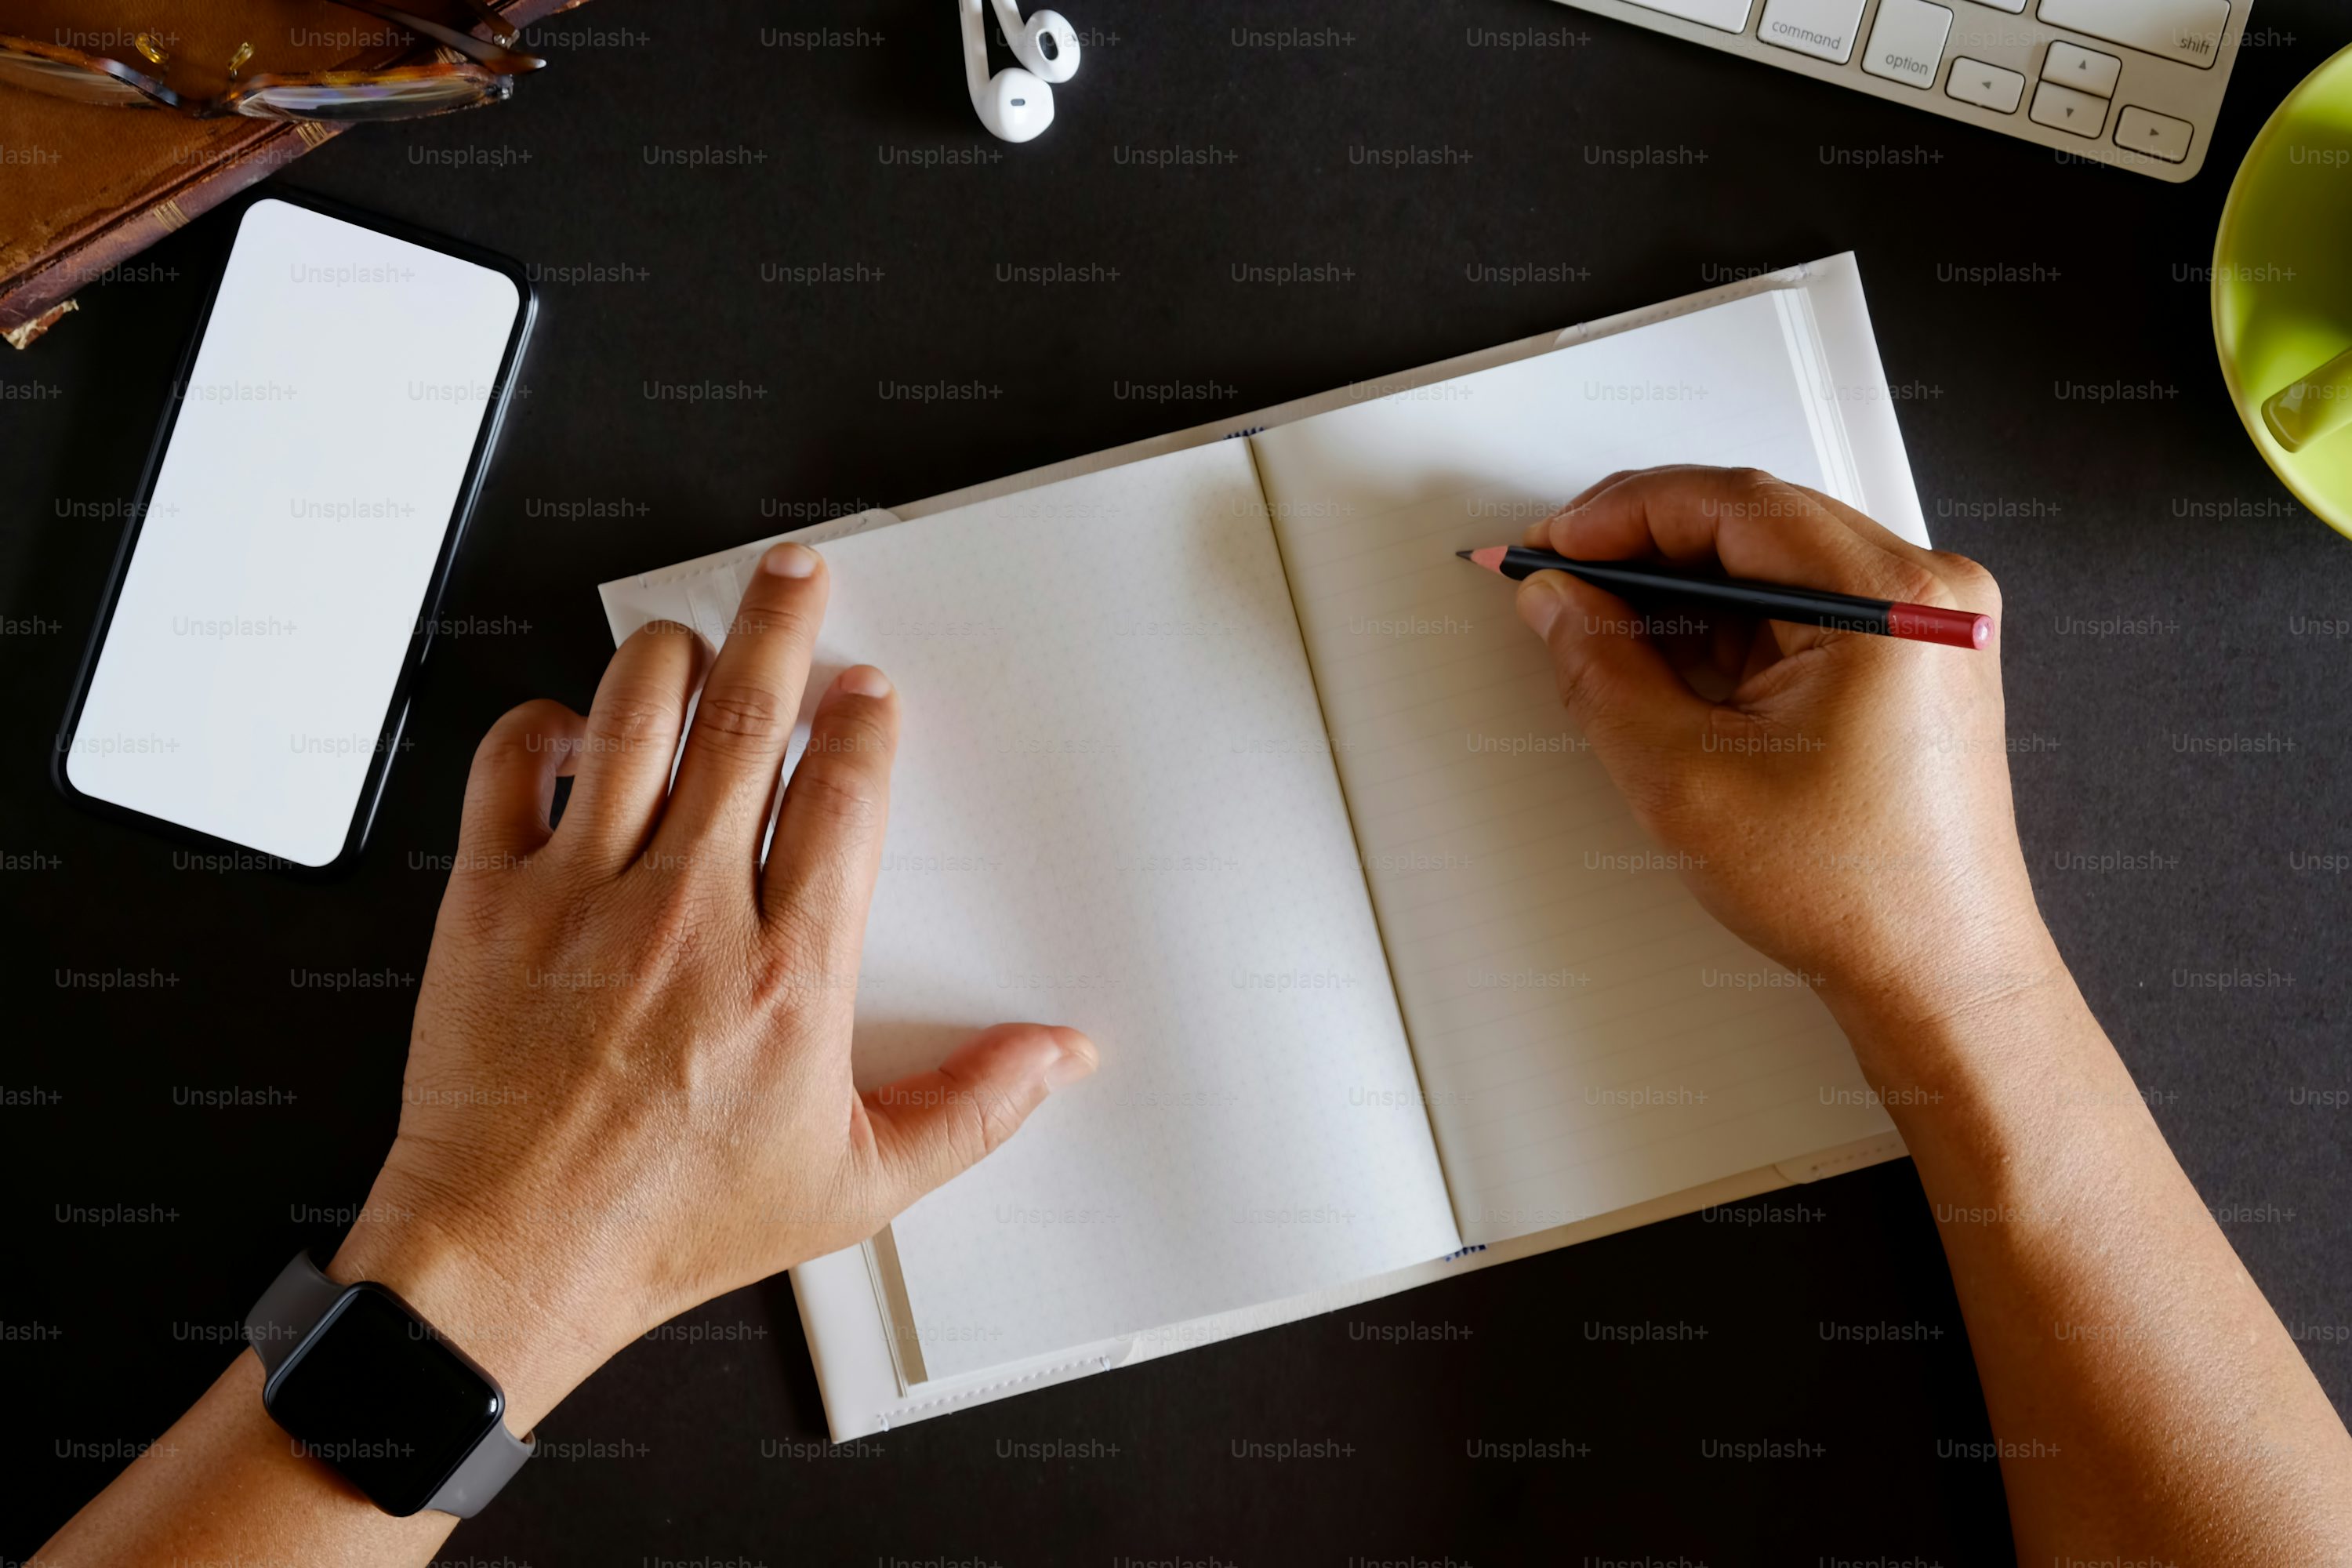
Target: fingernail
{"type": "Point", "coordinates": [1541, 603]}
{"type": "Point", "coordinates": [1076, 1062]}
{"type": "Point", "coordinates": [789, 560]}
{"type": "Point", "coordinates": [865, 680]}
{"type": "Point", "coordinates": [1538, 535]}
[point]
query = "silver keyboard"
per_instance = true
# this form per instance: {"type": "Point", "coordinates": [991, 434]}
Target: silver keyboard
{"type": "Point", "coordinates": [2137, 83]}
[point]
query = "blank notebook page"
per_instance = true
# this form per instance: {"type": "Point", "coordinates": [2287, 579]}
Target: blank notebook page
{"type": "Point", "coordinates": [1114, 808]}
{"type": "Point", "coordinates": [1587, 1036]}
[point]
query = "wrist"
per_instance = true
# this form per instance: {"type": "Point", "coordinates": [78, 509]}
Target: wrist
{"type": "Point", "coordinates": [1904, 1019]}
{"type": "Point", "coordinates": [1949, 932]}
{"type": "Point", "coordinates": [531, 1330]}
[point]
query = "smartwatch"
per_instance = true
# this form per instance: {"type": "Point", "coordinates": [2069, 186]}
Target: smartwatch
{"type": "Point", "coordinates": [357, 1378]}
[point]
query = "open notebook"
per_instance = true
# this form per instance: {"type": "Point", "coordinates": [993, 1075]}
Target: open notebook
{"type": "Point", "coordinates": [1217, 752]}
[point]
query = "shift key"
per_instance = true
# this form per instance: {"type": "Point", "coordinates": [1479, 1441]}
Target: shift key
{"type": "Point", "coordinates": [2189, 31]}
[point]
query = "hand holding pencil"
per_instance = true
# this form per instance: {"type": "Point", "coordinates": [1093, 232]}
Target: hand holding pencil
{"type": "Point", "coordinates": [1842, 803]}
{"type": "Point", "coordinates": [1805, 606]}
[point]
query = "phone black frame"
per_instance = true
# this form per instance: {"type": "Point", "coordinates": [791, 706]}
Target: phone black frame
{"type": "Point", "coordinates": [469, 490]}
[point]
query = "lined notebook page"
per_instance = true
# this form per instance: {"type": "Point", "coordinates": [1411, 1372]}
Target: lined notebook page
{"type": "Point", "coordinates": [1114, 808]}
{"type": "Point", "coordinates": [1586, 1035]}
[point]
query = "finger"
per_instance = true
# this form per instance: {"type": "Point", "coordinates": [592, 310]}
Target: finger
{"type": "Point", "coordinates": [1707, 653]}
{"type": "Point", "coordinates": [743, 719]}
{"type": "Point", "coordinates": [1734, 645]}
{"type": "Point", "coordinates": [623, 759]}
{"type": "Point", "coordinates": [1763, 652]}
{"type": "Point", "coordinates": [1613, 680]}
{"type": "Point", "coordinates": [1538, 535]}
{"type": "Point", "coordinates": [511, 790]}
{"type": "Point", "coordinates": [935, 1125]}
{"type": "Point", "coordinates": [828, 843]}
{"type": "Point", "coordinates": [1706, 646]}
{"type": "Point", "coordinates": [1747, 525]}
{"type": "Point", "coordinates": [1681, 634]}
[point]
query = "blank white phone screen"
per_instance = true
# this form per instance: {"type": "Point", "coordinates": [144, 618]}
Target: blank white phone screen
{"type": "Point", "coordinates": [296, 520]}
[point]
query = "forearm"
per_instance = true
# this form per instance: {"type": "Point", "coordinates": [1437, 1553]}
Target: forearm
{"type": "Point", "coordinates": [227, 1484]}
{"type": "Point", "coordinates": [2146, 1398]}
{"type": "Point", "coordinates": [1846, 809]}
{"type": "Point", "coordinates": [224, 1485]}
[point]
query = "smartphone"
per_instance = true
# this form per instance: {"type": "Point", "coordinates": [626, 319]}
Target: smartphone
{"type": "Point", "coordinates": [248, 677]}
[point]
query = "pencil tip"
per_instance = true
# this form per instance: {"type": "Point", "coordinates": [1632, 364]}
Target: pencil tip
{"type": "Point", "coordinates": [1463, 553]}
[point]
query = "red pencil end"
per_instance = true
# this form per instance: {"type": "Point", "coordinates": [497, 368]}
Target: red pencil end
{"type": "Point", "coordinates": [1491, 558]}
{"type": "Point", "coordinates": [1952, 629]}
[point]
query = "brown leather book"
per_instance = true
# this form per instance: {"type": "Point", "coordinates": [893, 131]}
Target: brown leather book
{"type": "Point", "coordinates": [84, 188]}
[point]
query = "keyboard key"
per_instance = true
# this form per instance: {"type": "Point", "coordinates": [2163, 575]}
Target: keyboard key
{"type": "Point", "coordinates": [2064, 108]}
{"type": "Point", "coordinates": [2189, 31]}
{"type": "Point", "coordinates": [1823, 27]}
{"type": "Point", "coordinates": [2141, 130]}
{"type": "Point", "coordinates": [1987, 87]}
{"type": "Point", "coordinates": [1731, 15]}
{"type": "Point", "coordinates": [1907, 42]}
{"type": "Point", "coordinates": [2015, 7]}
{"type": "Point", "coordinates": [2085, 70]}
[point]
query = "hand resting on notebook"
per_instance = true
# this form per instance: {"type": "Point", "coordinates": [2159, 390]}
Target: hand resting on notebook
{"type": "Point", "coordinates": [671, 1022]}
{"type": "Point", "coordinates": [628, 1087]}
{"type": "Point", "coordinates": [1842, 804]}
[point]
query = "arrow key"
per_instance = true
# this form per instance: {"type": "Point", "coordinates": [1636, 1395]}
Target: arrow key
{"type": "Point", "coordinates": [2072, 65]}
{"type": "Point", "coordinates": [2064, 108]}
{"type": "Point", "coordinates": [2156, 135]}
{"type": "Point", "coordinates": [1987, 87]}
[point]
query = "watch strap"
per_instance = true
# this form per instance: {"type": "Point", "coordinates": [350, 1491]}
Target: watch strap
{"type": "Point", "coordinates": [285, 1316]}
{"type": "Point", "coordinates": [491, 1465]}
{"type": "Point", "coordinates": [288, 1310]}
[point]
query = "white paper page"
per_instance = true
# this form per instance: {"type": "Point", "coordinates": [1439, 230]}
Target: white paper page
{"type": "Point", "coordinates": [1587, 1036]}
{"type": "Point", "coordinates": [1114, 808]}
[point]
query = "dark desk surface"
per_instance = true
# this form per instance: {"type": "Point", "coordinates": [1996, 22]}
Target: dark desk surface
{"type": "Point", "coordinates": [2152, 516]}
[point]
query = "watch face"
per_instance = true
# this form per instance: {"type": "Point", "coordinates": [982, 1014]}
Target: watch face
{"type": "Point", "coordinates": [377, 1396]}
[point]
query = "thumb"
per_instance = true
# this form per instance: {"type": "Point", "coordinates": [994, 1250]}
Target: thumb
{"type": "Point", "coordinates": [1613, 681]}
{"type": "Point", "coordinates": [935, 1125]}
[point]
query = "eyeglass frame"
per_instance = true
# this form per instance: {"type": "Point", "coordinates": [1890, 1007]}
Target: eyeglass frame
{"type": "Point", "coordinates": [493, 65]}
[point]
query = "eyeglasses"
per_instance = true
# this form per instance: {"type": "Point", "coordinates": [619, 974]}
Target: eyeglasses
{"type": "Point", "coordinates": [469, 72]}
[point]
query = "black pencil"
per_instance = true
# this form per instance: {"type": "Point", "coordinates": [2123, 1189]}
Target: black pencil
{"type": "Point", "coordinates": [1803, 606]}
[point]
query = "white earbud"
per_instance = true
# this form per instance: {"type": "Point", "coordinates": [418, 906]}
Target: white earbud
{"type": "Point", "coordinates": [1016, 104]}
{"type": "Point", "coordinates": [1046, 43]}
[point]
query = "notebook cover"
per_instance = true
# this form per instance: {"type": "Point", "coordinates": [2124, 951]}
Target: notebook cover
{"type": "Point", "coordinates": [91, 187]}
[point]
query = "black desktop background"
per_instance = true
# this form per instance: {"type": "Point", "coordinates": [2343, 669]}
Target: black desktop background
{"type": "Point", "coordinates": [2159, 584]}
